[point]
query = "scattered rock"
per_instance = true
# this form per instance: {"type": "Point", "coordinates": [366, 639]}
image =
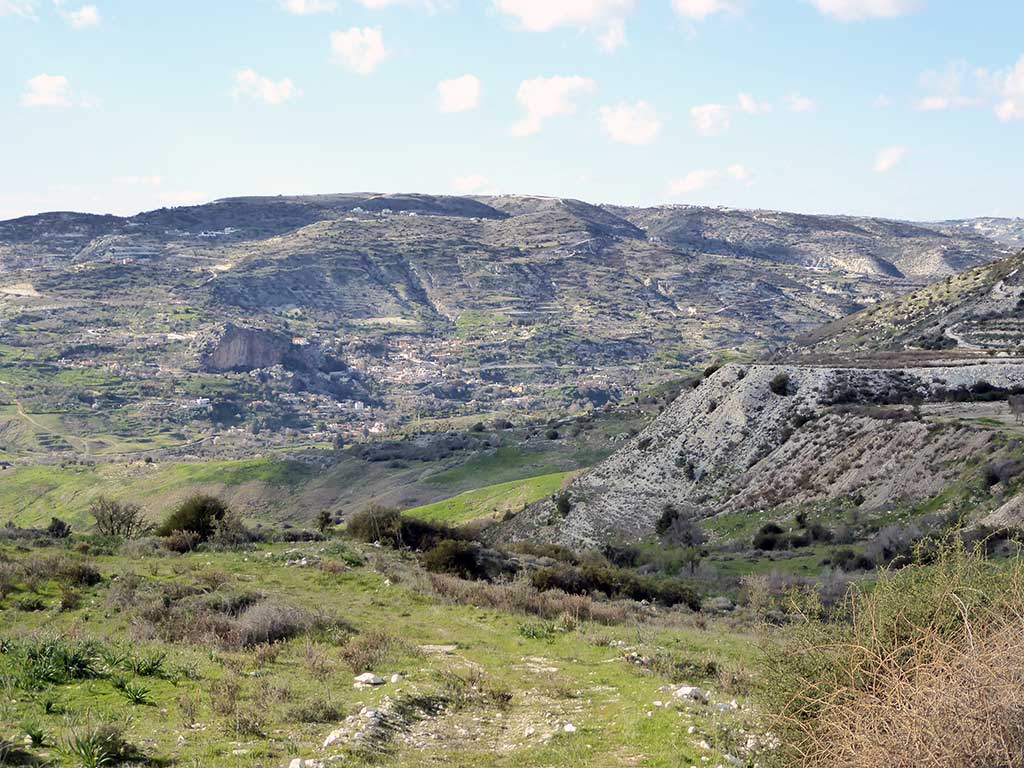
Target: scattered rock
{"type": "Point", "coordinates": [368, 679]}
{"type": "Point", "coordinates": [691, 693]}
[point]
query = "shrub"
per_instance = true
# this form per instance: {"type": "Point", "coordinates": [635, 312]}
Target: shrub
{"type": "Point", "coordinates": [669, 514]}
{"type": "Point", "coordinates": [563, 503]}
{"type": "Point", "coordinates": [198, 514]}
{"type": "Point", "coordinates": [58, 529]}
{"type": "Point", "coordinates": [779, 385]}
{"type": "Point", "coordinates": [324, 521]}
{"type": "Point", "coordinates": [98, 746]}
{"type": "Point", "coordinates": [458, 558]}
{"type": "Point", "coordinates": [375, 523]}
{"type": "Point", "coordinates": [270, 621]}
{"type": "Point", "coordinates": [366, 651]}
{"type": "Point", "coordinates": [230, 531]}
{"type": "Point", "coordinates": [769, 537]}
{"type": "Point", "coordinates": [388, 526]}
{"type": "Point", "coordinates": [181, 541]}
{"type": "Point", "coordinates": [118, 520]}
{"type": "Point", "coordinates": [316, 711]}
{"type": "Point", "coordinates": [615, 583]}
{"type": "Point", "coordinates": [925, 668]}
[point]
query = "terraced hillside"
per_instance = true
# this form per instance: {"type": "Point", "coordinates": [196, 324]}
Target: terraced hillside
{"type": "Point", "coordinates": [975, 313]}
{"type": "Point", "coordinates": [255, 322]}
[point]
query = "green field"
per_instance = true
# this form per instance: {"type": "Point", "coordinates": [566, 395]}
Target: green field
{"type": "Point", "coordinates": [492, 500]}
{"type": "Point", "coordinates": [32, 494]}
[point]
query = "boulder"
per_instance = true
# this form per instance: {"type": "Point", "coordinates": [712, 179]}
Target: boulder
{"type": "Point", "coordinates": [368, 678]}
{"type": "Point", "coordinates": [691, 693]}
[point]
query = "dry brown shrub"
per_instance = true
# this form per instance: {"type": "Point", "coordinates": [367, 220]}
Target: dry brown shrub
{"type": "Point", "coordinates": [521, 597]}
{"type": "Point", "coordinates": [365, 652]}
{"type": "Point", "coordinates": [926, 670]}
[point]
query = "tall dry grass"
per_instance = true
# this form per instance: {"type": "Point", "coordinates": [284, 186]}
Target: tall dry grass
{"type": "Point", "coordinates": [924, 669]}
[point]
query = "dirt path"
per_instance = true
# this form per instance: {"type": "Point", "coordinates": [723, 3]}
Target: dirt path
{"type": "Point", "coordinates": [82, 446]}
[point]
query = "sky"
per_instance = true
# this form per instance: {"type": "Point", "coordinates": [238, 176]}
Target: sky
{"type": "Point", "coordinates": [899, 108]}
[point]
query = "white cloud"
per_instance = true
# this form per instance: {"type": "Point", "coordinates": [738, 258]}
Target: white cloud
{"type": "Point", "coordinates": [1011, 93]}
{"type": "Point", "coordinates": [635, 124]}
{"type": "Point", "coordinates": [694, 181]}
{"type": "Point", "coordinates": [250, 83]}
{"type": "Point", "coordinates": [711, 119]}
{"type": "Point", "coordinates": [546, 97]}
{"type": "Point", "coordinates": [86, 16]}
{"type": "Point", "coordinates": [359, 50]}
{"type": "Point", "coordinates": [47, 91]}
{"type": "Point", "coordinates": [798, 103]}
{"type": "Point", "coordinates": [882, 102]}
{"type": "Point", "coordinates": [855, 10]}
{"type": "Point", "coordinates": [889, 158]}
{"type": "Point", "coordinates": [739, 172]}
{"type": "Point", "coordinates": [467, 185]}
{"type": "Point", "coordinates": [752, 106]}
{"type": "Point", "coordinates": [308, 7]}
{"type": "Point", "coordinates": [460, 94]}
{"type": "Point", "coordinates": [702, 178]}
{"type": "Point", "coordinates": [546, 15]}
{"type": "Point", "coordinates": [614, 37]}
{"type": "Point", "coordinates": [947, 88]}
{"type": "Point", "coordinates": [960, 86]}
{"type": "Point", "coordinates": [698, 10]}
{"type": "Point", "coordinates": [23, 8]}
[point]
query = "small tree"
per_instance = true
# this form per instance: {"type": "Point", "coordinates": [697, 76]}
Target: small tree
{"type": "Point", "coordinates": [669, 514]}
{"type": "Point", "coordinates": [120, 520]}
{"type": "Point", "coordinates": [58, 529]}
{"type": "Point", "coordinates": [198, 514]}
{"type": "Point", "coordinates": [324, 520]}
{"type": "Point", "coordinates": [779, 385]}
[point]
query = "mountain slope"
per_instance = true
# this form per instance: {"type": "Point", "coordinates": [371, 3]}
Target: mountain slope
{"type": "Point", "coordinates": [741, 443]}
{"type": "Point", "coordinates": [356, 313]}
{"type": "Point", "coordinates": [976, 312]}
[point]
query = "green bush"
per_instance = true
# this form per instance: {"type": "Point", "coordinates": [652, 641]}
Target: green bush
{"type": "Point", "coordinates": [198, 514]}
{"type": "Point", "coordinates": [779, 385]}
{"type": "Point", "coordinates": [454, 557]}
{"type": "Point", "coordinates": [389, 527]}
{"type": "Point", "coordinates": [769, 537]}
{"type": "Point", "coordinates": [615, 582]}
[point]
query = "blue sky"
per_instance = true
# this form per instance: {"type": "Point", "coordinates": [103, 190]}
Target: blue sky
{"type": "Point", "coordinates": [899, 108]}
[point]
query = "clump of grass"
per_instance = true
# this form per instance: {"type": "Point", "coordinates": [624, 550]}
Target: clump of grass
{"type": "Point", "coordinates": [925, 668]}
{"type": "Point", "coordinates": [365, 652]}
{"type": "Point", "coordinates": [97, 746]}
{"type": "Point", "coordinates": [462, 689]}
{"type": "Point", "coordinates": [35, 733]}
{"type": "Point", "coordinates": [224, 695]}
{"type": "Point", "coordinates": [316, 711]}
{"type": "Point", "coordinates": [52, 661]}
{"type": "Point", "coordinates": [30, 604]}
{"type": "Point", "coordinates": [135, 693]}
{"type": "Point", "coordinates": [246, 722]}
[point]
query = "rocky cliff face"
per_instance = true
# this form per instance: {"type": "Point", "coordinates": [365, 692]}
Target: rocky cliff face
{"type": "Point", "coordinates": [229, 347]}
{"type": "Point", "coordinates": [765, 436]}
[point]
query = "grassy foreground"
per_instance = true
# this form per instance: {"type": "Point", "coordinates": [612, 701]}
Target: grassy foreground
{"type": "Point", "coordinates": [196, 672]}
